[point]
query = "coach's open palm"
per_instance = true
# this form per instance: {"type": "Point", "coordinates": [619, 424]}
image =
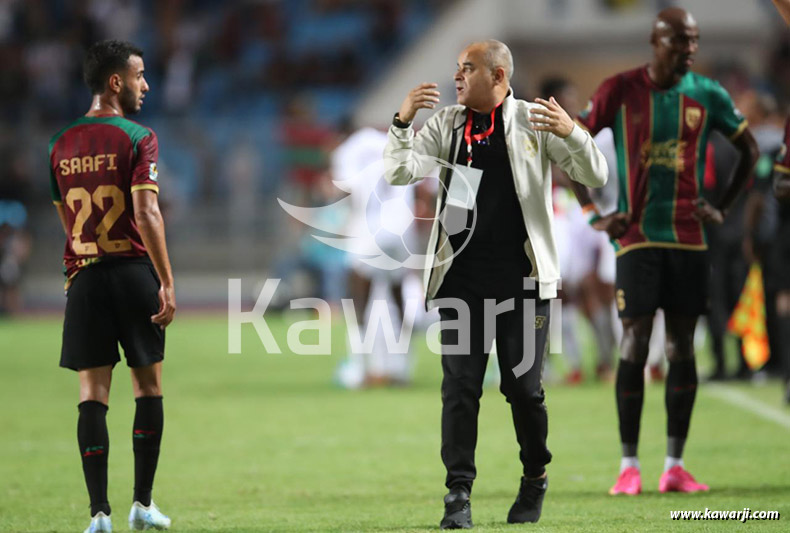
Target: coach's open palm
{"type": "Point", "coordinates": [552, 118]}
{"type": "Point", "coordinates": [167, 306]}
{"type": "Point", "coordinates": [424, 96]}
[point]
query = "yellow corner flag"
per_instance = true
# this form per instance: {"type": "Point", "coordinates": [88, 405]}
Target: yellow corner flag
{"type": "Point", "coordinates": [748, 320]}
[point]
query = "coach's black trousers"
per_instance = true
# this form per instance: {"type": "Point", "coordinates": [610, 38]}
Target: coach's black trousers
{"type": "Point", "coordinates": [462, 384]}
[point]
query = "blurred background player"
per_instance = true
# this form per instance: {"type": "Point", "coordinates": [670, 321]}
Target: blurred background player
{"type": "Point", "coordinates": [781, 256]}
{"type": "Point", "coordinates": [747, 235]}
{"type": "Point", "coordinates": [586, 258]}
{"type": "Point", "coordinates": [15, 244]}
{"type": "Point", "coordinates": [312, 268]}
{"type": "Point", "coordinates": [779, 261]}
{"type": "Point", "coordinates": [661, 115]}
{"type": "Point", "coordinates": [119, 281]}
{"type": "Point", "coordinates": [357, 164]}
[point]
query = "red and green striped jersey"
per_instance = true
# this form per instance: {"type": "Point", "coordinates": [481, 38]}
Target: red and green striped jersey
{"type": "Point", "coordinates": [95, 165]}
{"type": "Point", "coordinates": [661, 137]}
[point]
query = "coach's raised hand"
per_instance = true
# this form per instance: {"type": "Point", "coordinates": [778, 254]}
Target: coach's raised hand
{"type": "Point", "coordinates": [424, 96]}
{"type": "Point", "coordinates": [552, 118]}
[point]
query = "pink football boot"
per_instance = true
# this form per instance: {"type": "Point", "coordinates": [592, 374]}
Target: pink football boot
{"type": "Point", "coordinates": [629, 482]}
{"type": "Point", "coordinates": [676, 479]}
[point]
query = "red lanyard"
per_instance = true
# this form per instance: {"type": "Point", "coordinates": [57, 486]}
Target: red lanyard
{"type": "Point", "coordinates": [477, 137]}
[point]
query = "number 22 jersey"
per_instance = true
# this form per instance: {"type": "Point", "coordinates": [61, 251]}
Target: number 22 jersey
{"type": "Point", "coordinates": [95, 165]}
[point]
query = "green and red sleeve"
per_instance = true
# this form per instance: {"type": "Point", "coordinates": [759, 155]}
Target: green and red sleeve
{"type": "Point", "coordinates": [603, 106]}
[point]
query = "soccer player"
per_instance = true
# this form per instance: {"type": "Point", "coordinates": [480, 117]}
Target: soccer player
{"type": "Point", "coordinates": [661, 115]}
{"type": "Point", "coordinates": [119, 282]}
{"type": "Point", "coordinates": [781, 257]}
{"type": "Point", "coordinates": [354, 163]}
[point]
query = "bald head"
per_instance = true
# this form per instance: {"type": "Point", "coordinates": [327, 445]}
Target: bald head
{"type": "Point", "coordinates": [673, 20]}
{"type": "Point", "coordinates": [482, 79]}
{"type": "Point", "coordinates": [675, 39]}
{"type": "Point", "coordinates": [495, 55]}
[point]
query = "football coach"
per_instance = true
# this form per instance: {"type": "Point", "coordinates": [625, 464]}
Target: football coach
{"type": "Point", "coordinates": [499, 152]}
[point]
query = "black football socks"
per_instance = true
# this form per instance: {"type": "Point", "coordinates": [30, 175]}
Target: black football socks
{"type": "Point", "coordinates": [94, 443]}
{"type": "Point", "coordinates": [681, 389]}
{"type": "Point", "coordinates": [630, 393]}
{"type": "Point", "coordinates": [146, 437]}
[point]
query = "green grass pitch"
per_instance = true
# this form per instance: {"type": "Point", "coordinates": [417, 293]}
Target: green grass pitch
{"type": "Point", "coordinates": [258, 442]}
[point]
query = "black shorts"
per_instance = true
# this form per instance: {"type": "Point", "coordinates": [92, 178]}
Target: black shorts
{"type": "Point", "coordinates": [110, 302]}
{"type": "Point", "coordinates": [674, 280]}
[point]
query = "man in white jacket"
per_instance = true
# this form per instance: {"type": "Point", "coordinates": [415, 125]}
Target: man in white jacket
{"type": "Point", "coordinates": [494, 275]}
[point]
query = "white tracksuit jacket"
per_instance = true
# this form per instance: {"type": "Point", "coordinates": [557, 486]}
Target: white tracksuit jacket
{"type": "Point", "coordinates": [408, 157]}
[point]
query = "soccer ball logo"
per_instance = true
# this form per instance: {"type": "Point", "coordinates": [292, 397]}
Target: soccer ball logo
{"type": "Point", "coordinates": [382, 223]}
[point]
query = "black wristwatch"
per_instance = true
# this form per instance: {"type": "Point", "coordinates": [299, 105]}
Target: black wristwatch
{"type": "Point", "coordinates": [398, 123]}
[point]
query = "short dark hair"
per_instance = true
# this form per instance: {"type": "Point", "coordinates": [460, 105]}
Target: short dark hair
{"type": "Point", "coordinates": [105, 58]}
{"type": "Point", "coordinates": [553, 85]}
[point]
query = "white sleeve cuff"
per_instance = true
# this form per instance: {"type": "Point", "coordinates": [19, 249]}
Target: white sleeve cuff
{"type": "Point", "coordinates": [402, 134]}
{"type": "Point", "coordinates": [577, 139]}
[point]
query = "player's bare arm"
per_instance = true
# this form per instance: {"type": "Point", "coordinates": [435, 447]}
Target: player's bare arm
{"type": "Point", "coordinates": [551, 118]}
{"type": "Point", "coordinates": [747, 147]}
{"type": "Point", "coordinates": [424, 96]}
{"type": "Point", "coordinates": [783, 6]}
{"type": "Point", "coordinates": [614, 224]}
{"type": "Point", "coordinates": [152, 230]}
{"type": "Point", "coordinates": [782, 186]}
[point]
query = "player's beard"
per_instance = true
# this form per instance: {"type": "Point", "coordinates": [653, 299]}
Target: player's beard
{"type": "Point", "coordinates": [128, 101]}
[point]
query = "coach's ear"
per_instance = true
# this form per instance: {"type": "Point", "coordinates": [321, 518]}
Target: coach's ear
{"type": "Point", "coordinates": [499, 75]}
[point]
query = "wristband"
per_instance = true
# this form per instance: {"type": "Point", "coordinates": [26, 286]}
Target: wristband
{"type": "Point", "coordinates": [591, 213]}
{"type": "Point", "coordinates": [398, 123]}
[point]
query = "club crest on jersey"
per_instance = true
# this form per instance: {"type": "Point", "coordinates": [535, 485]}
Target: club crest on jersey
{"type": "Point", "coordinates": [693, 117]}
{"type": "Point", "coordinates": [540, 321]}
{"type": "Point", "coordinates": [153, 173]}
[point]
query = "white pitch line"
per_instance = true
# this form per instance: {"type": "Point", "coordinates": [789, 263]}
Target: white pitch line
{"type": "Point", "coordinates": [744, 401]}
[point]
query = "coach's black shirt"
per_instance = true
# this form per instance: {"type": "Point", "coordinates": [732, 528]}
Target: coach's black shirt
{"type": "Point", "coordinates": [493, 260]}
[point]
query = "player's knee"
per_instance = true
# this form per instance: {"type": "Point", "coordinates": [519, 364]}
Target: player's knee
{"type": "Point", "coordinates": [635, 345]}
{"type": "Point", "coordinates": [95, 393]}
{"type": "Point", "coordinates": [679, 351]}
{"type": "Point", "coordinates": [635, 350]}
{"type": "Point", "coordinates": [148, 389]}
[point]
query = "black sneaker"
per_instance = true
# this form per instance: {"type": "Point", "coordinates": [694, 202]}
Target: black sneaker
{"type": "Point", "coordinates": [457, 510]}
{"type": "Point", "coordinates": [529, 501]}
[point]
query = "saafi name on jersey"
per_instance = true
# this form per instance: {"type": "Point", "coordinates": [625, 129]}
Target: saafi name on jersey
{"type": "Point", "coordinates": [87, 163]}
